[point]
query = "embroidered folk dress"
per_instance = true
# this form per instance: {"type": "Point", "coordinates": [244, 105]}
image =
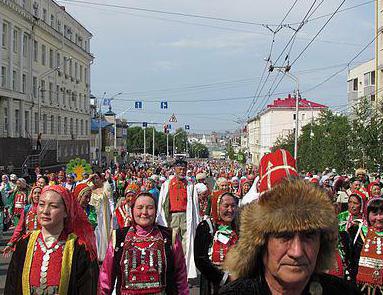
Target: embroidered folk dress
{"type": "Point", "coordinates": [41, 267]}
{"type": "Point", "coordinates": [144, 261]}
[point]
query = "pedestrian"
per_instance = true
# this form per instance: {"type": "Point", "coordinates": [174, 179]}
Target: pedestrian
{"type": "Point", "coordinates": [82, 194]}
{"type": "Point", "coordinates": [20, 199]}
{"type": "Point", "coordinates": [214, 237]}
{"type": "Point", "coordinates": [38, 143]}
{"type": "Point", "coordinates": [61, 257]}
{"type": "Point", "coordinates": [287, 241]}
{"type": "Point", "coordinates": [144, 258]}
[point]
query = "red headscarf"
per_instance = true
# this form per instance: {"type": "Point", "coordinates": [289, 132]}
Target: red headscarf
{"type": "Point", "coordinates": [369, 189]}
{"type": "Point", "coordinates": [77, 221]}
{"type": "Point", "coordinates": [30, 196]}
{"type": "Point", "coordinates": [80, 189]}
{"type": "Point", "coordinates": [215, 201]}
{"type": "Point", "coordinates": [133, 202]}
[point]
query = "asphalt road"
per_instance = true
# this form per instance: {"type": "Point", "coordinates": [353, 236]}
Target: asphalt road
{"type": "Point", "coordinates": [4, 262]}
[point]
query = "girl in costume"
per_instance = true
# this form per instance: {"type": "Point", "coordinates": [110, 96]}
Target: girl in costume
{"type": "Point", "coordinates": [123, 212]}
{"type": "Point", "coordinates": [144, 258]}
{"type": "Point", "coordinates": [61, 257]}
{"type": "Point", "coordinates": [354, 214]}
{"type": "Point", "coordinates": [214, 237]}
{"type": "Point", "coordinates": [20, 199]}
{"type": "Point", "coordinates": [28, 220]}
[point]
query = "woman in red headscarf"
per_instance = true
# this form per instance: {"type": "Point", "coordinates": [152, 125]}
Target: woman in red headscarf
{"type": "Point", "coordinates": [374, 190]}
{"type": "Point", "coordinates": [123, 211]}
{"type": "Point", "coordinates": [82, 194]}
{"type": "Point", "coordinates": [214, 237]}
{"type": "Point", "coordinates": [28, 220]}
{"type": "Point", "coordinates": [144, 258]}
{"type": "Point", "coordinates": [61, 257]}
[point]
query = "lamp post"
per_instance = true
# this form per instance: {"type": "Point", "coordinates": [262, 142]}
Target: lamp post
{"type": "Point", "coordinates": [174, 142]}
{"type": "Point", "coordinates": [153, 144]}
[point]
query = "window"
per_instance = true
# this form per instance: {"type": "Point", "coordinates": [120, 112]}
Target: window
{"type": "Point", "coordinates": [17, 122]}
{"type": "Point", "coordinates": [52, 124]}
{"type": "Point", "coordinates": [59, 26]}
{"type": "Point", "coordinates": [5, 35]}
{"type": "Point", "coordinates": [59, 125]}
{"type": "Point", "coordinates": [6, 120]}
{"type": "Point", "coordinates": [45, 124]}
{"type": "Point", "coordinates": [81, 73]}
{"type": "Point", "coordinates": [14, 80]}
{"type": "Point", "coordinates": [65, 125]}
{"type": "Point", "coordinates": [3, 77]}
{"type": "Point", "coordinates": [64, 97]}
{"type": "Point", "coordinates": [43, 54]}
{"type": "Point", "coordinates": [50, 92]}
{"type": "Point", "coordinates": [36, 123]}
{"type": "Point", "coordinates": [373, 97]}
{"type": "Point", "coordinates": [52, 20]}
{"type": "Point", "coordinates": [76, 70]}
{"type": "Point", "coordinates": [71, 126]}
{"type": "Point", "coordinates": [24, 83]}
{"type": "Point", "coordinates": [77, 129]}
{"type": "Point", "coordinates": [51, 58]}
{"type": "Point", "coordinates": [86, 75]}
{"type": "Point", "coordinates": [35, 50]}
{"type": "Point", "coordinates": [355, 84]}
{"type": "Point", "coordinates": [42, 90]}
{"type": "Point", "coordinates": [70, 68]}
{"type": "Point", "coordinates": [373, 78]}
{"type": "Point", "coordinates": [65, 65]}
{"type": "Point", "coordinates": [366, 79]}
{"type": "Point", "coordinates": [25, 45]}
{"type": "Point", "coordinates": [294, 116]}
{"type": "Point", "coordinates": [34, 86]}
{"type": "Point", "coordinates": [86, 127]}
{"type": "Point", "coordinates": [82, 127]}
{"type": "Point", "coordinates": [58, 94]}
{"type": "Point", "coordinates": [44, 15]}
{"type": "Point", "coordinates": [58, 59]}
{"type": "Point", "coordinates": [26, 122]}
{"type": "Point", "coordinates": [303, 117]}
{"type": "Point", "coordinates": [15, 40]}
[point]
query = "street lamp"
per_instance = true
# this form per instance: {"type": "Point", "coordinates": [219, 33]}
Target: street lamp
{"type": "Point", "coordinates": [174, 142]}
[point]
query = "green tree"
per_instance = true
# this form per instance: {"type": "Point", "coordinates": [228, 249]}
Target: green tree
{"type": "Point", "coordinates": [198, 150]}
{"type": "Point", "coordinates": [230, 151]}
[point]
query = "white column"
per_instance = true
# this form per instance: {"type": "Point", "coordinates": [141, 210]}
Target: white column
{"type": "Point", "coordinates": [10, 65]}
{"type": "Point", "coordinates": [1, 40]}
{"type": "Point", "coordinates": [21, 38]}
{"type": "Point", "coordinates": [11, 118]}
{"type": "Point", "coordinates": [22, 119]}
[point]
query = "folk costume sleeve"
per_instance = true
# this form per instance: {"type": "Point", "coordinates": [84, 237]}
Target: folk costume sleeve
{"type": "Point", "coordinates": [180, 268]}
{"type": "Point", "coordinates": [202, 243]}
{"type": "Point", "coordinates": [107, 276]}
{"type": "Point", "coordinates": [92, 216]}
{"type": "Point", "coordinates": [19, 230]}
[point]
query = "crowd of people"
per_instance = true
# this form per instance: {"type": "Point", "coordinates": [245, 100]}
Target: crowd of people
{"type": "Point", "coordinates": [156, 229]}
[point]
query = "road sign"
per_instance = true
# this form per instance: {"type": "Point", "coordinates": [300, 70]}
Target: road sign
{"type": "Point", "coordinates": [144, 124]}
{"type": "Point", "coordinates": [173, 118]}
{"type": "Point", "coordinates": [187, 127]}
{"type": "Point", "coordinates": [138, 105]}
{"type": "Point", "coordinates": [115, 154]}
{"type": "Point", "coordinates": [169, 126]}
{"type": "Point", "coordinates": [164, 105]}
{"type": "Point", "coordinates": [106, 102]}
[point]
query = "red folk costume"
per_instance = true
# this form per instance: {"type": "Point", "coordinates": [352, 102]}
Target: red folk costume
{"type": "Point", "coordinates": [19, 202]}
{"type": "Point", "coordinates": [225, 236]}
{"type": "Point", "coordinates": [124, 211]}
{"type": "Point", "coordinates": [47, 266]}
{"type": "Point", "coordinates": [178, 195]}
{"type": "Point", "coordinates": [370, 269]}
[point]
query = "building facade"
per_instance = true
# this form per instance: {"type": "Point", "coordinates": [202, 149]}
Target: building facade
{"type": "Point", "coordinates": [45, 77]}
{"type": "Point", "coordinates": [278, 120]}
{"type": "Point", "coordinates": [361, 83]}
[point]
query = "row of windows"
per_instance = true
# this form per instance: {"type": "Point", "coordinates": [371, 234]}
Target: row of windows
{"type": "Point", "coordinates": [72, 150]}
{"type": "Point", "coordinates": [369, 80]}
{"type": "Point", "coordinates": [48, 56]}
{"type": "Point", "coordinates": [56, 24]}
{"type": "Point", "coordinates": [65, 125]}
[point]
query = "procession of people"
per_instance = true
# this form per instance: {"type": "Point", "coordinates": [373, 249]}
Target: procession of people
{"type": "Point", "coordinates": [159, 228]}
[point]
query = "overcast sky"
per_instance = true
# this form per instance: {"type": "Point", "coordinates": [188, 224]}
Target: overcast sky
{"type": "Point", "coordinates": [209, 70]}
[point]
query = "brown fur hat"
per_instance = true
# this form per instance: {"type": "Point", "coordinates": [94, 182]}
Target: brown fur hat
{"type": "Point", "coordinates": [291, 206]}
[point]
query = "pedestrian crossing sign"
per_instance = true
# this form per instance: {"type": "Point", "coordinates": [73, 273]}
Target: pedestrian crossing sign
{"type": "Point", "coordinates": [173, 118]}
{"type": "Point", "coordinates": [138, 105]}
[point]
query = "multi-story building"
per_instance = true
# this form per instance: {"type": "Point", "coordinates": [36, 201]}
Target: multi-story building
{"type": "Point", "coordinates": [361, 83]}
{"type": "Point", "coordinates": [45, 78]}
{"type": "Point", "coordinates": [278, 120]}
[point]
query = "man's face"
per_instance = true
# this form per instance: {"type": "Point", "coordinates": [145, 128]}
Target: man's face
{"type": "Point", "coordinates": [227, 209]}
{"type": "Point", "coordinates": [290, 258]}
{"type": "Point", "coordinates": [355, 185]}
{"type": "Point", "coordinates": [180, 172]}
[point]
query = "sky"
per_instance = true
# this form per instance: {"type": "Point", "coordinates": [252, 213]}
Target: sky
{"type": "Point", "coordinates": [209, 70]}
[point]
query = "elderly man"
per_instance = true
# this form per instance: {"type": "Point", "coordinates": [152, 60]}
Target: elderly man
{"type": "Point", "coordinates": [178, 209]}
{"type": "Point", "coordinates": [287, 242]}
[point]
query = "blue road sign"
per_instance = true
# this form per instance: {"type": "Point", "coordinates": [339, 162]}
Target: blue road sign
{"type": "Point", "coordinates": [164, 105]}
{"type": "Point", "coordinates": [187, 127]}
{"type": "Point", "coordinates": [138, 105]}
{"type": "Point", "coordinates": [144, 124]}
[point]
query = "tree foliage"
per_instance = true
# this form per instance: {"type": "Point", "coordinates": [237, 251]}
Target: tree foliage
{"type": "Point", "coordinates": [198, 150]}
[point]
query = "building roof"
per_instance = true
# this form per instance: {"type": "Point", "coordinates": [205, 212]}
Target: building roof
{"type": "Point", "coordinates": [289, 102]}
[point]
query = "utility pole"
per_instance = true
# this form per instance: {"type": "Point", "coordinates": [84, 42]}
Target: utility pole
{"type": "Point", "coordinates": [167, 144]}
{"type": "Point", "coordinates": [144, 144]}
{"type": "Point", "coordinates": [376, 52]}
{"type": "Point", "coordinates": [154, 134]}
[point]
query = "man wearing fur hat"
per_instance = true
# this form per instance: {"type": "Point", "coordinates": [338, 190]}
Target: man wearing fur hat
{"type": "Point", "coordinates": [287, 242]}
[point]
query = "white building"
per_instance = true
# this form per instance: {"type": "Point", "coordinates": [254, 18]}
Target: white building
{"type": "Point", "coordinates": [361, 83]}
{"type": "Point", "coordinates": [45, 78]}
{"type": "Point", "coordinates": [278, 120]}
